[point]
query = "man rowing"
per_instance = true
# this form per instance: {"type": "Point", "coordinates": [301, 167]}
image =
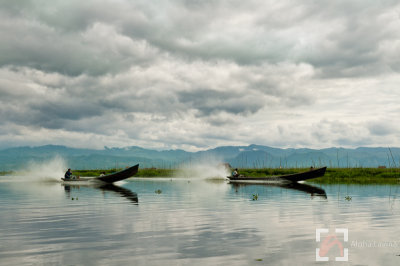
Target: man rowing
{"type": "Point", "coordinates": [235, 173]}
{"type": "Point", "coordinates": [68, 174]}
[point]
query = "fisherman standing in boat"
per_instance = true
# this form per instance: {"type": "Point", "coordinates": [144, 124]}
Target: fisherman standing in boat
{"type": "Point", "coordinates": [68, 174]}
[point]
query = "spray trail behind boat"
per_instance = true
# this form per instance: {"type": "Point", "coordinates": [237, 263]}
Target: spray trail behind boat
{"type": "Point", "coordinates": [48, 170]}
{"type": "Point", "coordinates": [204, 169]}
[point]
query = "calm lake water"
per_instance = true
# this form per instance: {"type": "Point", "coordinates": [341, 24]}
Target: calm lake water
{"type": "Point", "coordinates": [196, 222]}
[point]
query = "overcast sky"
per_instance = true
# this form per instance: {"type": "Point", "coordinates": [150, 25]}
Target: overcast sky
{"type": "Point", "coordinates": [196, 74]}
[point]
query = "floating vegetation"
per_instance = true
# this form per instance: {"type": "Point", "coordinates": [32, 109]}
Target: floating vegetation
{"type": "Point", "coordinates": [258, 259]}
{"type": "Point", "coordinates": [155, 172]}
{"type": "Point", "coordinates": [348, 198]}
{"type": "Point", "coordinates": [359, 176]}
{"type": "Point", "coordinates": [158, 191]}
{"type": "Point", "coordinates": [2, 173]}
{"type": "Point", "coordinates": [255, 196]}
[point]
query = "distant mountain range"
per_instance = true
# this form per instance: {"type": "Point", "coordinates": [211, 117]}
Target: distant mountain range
{"type": "Point", "coordinates": [252, 156]}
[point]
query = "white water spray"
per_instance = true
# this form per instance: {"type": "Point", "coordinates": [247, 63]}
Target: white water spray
{"type": "Point", "coordinates": [204, 169]}
{"type": "Point", "coordinates": [49, 170]}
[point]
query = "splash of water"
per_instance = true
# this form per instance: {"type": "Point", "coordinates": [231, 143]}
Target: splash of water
{"type": "Point", "coordinates": [204, 169]}
{"type": "Point", "coordinates": [50, 170]}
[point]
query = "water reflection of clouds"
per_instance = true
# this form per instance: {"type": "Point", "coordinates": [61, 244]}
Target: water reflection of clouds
{"type": "Point", "coordinates": [192, 223]}
{"type": "Point", "coordinates": [34, 188]}
{"type": "Point", "coordinates": [211, 242]}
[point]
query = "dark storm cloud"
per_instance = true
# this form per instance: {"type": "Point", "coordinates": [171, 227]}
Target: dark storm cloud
{"type": "Point", "coordinates": [52, 115]}
{"type": "Point", "coordinates": [339, 38]}
{"type": "Point", "coordinates": [45, 112]}
{"type": "Point", "coordinates": [94, 48]}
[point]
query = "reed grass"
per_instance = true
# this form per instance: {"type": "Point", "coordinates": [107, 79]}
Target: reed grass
{"type": "Point", "coordinates": [155, 172]}
{"type": "Point", "coordinates": [359, 176]}
{"type": "Point", "coordinates": [2, 173]}
{"type": "Point", "coordinates": [260, 172]}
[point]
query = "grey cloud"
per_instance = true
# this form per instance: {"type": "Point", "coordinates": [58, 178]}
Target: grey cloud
{"type": "Point", "coordinates": [160, 103]}
{"type": "Point", "coordinates": [336, 40]}
{"type": "Point", "coordinates": [352, 47]}
{"type": "Point", "coordinates": [277, 85]}
{"type": "Point", "coordinates": [123, 70]}
{"type": "Point", "coordinates": [382, 128]}
{"type": "Point", "coordinates": [53, 115]}
{"type": "Point", "coordinates": [71, 37]}
{"type": "Point", "coordinates": [68, 109]}
{"type": "Point", "coordinates": [209, 101]}
{"type": "Point", "coordinates": [39, 46]}
{"type": "Point", "coordinates": [220, 120]}
{"type": "Point", "coordinates": [68, 16]}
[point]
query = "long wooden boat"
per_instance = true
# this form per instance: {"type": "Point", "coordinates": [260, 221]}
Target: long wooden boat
{"type": "Point", "coordinates": [313, 173]}
{"type": "Point", "coordinates": [111, 178]}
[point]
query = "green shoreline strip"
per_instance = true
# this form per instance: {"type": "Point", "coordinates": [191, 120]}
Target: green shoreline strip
{"type": "Point", "coordinates": [332, 175]}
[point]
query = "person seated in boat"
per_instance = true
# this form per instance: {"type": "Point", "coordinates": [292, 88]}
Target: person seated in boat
{"type": "Point", "coordinates": [68, 174]}
{"type": "Point", "coordinates": [235, 173]}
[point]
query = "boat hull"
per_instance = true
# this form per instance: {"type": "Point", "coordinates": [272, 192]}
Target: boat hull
{"type": "Point", "coordinates": [289, 178]}
{"type": "Point", "coordinates": [111, 178]}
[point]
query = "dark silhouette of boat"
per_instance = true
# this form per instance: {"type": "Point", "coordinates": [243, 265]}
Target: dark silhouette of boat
{"type": "Point", "coordinates": [312, 173]}
{"type": "Point", "coordinates": [111, 178]}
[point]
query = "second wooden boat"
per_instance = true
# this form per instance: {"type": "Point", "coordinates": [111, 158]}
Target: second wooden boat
{"type": "Point", "coordinates": [312, 173]}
